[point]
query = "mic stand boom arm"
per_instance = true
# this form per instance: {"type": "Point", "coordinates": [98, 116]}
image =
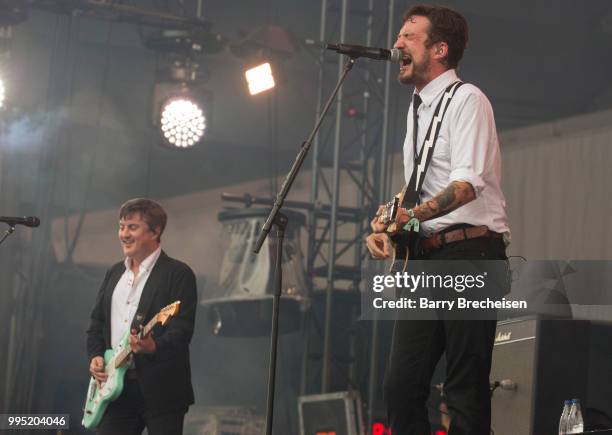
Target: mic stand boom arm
{"type": "Point", "coordinates": [275, 217]}
{"type": "Point", "coordinates": [7, 233]}
{"type": "Point", "coordinates": [299, 160]}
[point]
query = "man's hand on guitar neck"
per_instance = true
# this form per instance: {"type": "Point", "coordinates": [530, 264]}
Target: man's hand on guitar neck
{"type": "Point", "coordinates": [144, 344]}
{"type": "Point", "coordinates": [378, 242]}
{"type": "Point", "coordinates": [378, 227]}
{"type": "Point", "coordinates": [96, 368]}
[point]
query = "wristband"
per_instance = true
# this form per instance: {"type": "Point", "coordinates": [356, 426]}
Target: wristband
{"type": "Point", "coordinates": [413, 224]}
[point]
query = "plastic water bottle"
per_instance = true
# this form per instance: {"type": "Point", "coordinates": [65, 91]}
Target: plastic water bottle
{"type": "Point", "coordinates": [575, 424]}
{"type": "Point", "coordinates": [564, 417]}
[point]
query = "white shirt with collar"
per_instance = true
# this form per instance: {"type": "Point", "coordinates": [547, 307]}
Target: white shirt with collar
{"type": "Point", "coordinates": [467, 149]}
{"type": "Point", "coordinates": [126, 296]}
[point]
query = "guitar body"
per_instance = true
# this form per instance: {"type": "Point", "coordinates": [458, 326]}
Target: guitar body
{"type": "Point", "coordinates": [98, 398]}
{"type": "Point", "coordinates": [116, 363]}
{"type": "Point", "coordinates": [403, 244]}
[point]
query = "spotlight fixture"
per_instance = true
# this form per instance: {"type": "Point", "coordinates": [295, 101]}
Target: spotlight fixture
{"type": "Point", "coordinates": [181, 106]}
{"type": "Point", "coordinates": [181, 109]}
{"type": "Point", "coordinates": [183, 122]}
{"type": "Point", "coordinates": [267, 47]}
{"type": "Point", "coordinates": [260, 78]}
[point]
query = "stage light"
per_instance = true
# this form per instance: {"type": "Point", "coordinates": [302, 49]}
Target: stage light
{"type": "Point", "coordinates": [183, 122]}
{"type": "Point", "coordinates": [260, 78]}
{"type": "Point", "coordinates": [267, 47]}
{"type": "Point", "coordinates": [181, 113]}
{"type": "Point", "coordinates": [182, 107]}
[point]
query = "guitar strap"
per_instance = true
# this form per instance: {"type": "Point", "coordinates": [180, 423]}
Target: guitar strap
{"type": "Point", "coordinates": [412, 190]}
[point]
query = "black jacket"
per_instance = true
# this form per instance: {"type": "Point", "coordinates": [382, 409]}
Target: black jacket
{"type": "Point", "coordinates": [164, 376]}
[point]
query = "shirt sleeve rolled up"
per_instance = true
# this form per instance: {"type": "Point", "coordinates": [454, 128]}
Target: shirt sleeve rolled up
{"type": "Point", "coordinates": [471, 131]}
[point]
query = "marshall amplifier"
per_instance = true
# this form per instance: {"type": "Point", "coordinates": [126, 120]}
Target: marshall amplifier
{"type": "Point", "coordinates": [537, 364]}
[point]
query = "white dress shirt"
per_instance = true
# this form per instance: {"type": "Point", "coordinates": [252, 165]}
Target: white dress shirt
{"type": "Point", "coordinates": [467, 149]}
{"type": "Point", "coordinates": [126, 296]}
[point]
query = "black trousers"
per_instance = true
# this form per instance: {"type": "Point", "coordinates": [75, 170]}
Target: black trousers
{"type": "Point", "coordinates": [127, 415]}
{"type": "Point", "coordinates": [418, 345]}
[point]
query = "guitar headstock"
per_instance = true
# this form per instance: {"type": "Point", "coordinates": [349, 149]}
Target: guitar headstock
{"type": "Point", "coordinates": [168, 311]}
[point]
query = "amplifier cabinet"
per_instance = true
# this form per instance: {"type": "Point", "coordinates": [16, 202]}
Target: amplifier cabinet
{"type": "Point", "coordinates": [338, 413]}
{"type": "Point", "coordinates": [546, 360]}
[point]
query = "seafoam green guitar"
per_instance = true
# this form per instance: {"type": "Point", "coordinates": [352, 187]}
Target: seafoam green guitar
{"type": "Point", "coordinates": [116, 364]}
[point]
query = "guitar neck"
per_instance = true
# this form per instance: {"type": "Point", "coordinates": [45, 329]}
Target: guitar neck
{"type": "Point", "coordinates": [149, 326]}
{"type": "Point", "coordinates": [123, 356]}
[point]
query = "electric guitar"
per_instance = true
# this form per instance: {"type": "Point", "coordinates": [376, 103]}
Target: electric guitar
{"type": "Point", "coordinates": [116, 363]}
{"type": "Point", "coordinates": [403, 241]}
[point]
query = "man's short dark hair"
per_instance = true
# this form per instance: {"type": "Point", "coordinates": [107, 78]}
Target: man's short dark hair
{"type": "Point", "coordinates": [152, 213]}
{"type": "Point", "coordinates": [447, 26]}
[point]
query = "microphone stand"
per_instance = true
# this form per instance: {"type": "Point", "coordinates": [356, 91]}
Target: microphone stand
{"type": "Point", "coordinates": [280, 220]}
{"type": "Point", "coordinates": [7, 233]}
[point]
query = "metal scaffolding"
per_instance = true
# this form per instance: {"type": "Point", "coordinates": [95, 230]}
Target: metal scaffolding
{"type": "Point", "coordinates": [351, 151]}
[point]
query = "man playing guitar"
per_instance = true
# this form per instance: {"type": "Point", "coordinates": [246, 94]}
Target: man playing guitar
{"type": "Point", "coordinates": [157, 388]}
{"type": "Point", "coordinates": [460, 214]}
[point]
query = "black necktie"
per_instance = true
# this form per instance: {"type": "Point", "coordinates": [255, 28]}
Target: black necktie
{"type": "Point", "coordinates": [412, 198]}
{"type": "Point", "coordinates": [416, 102]}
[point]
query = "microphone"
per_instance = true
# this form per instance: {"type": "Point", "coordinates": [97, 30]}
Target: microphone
{"type": "Point", "coordinates": [28, 221]}
{"type": "Point", "coordinates": [355, 51]}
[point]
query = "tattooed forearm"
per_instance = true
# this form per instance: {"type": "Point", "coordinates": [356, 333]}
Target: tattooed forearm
{"type": "Point", "coordinates": [455, 195]}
